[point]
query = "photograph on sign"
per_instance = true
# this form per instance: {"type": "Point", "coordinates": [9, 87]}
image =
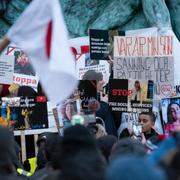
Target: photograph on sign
{"type": "Point", "coordinates": [24, 73]}
{"type": "Point", "coordinates": [171, 114]}
{"type": "Point", "coordinates": [130, 95]}
{"type": "Point", "coordinates": [22, 113]}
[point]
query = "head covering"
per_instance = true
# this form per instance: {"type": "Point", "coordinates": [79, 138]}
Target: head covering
{"type": "Point", "coordinates": [134, 167]}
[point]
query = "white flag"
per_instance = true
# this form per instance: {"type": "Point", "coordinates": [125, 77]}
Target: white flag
{"type": "Point", "coordinates": [41, 33]}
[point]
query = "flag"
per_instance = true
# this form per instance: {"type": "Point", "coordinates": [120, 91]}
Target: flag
{"type": "Point", "coordinates": [41, 33]}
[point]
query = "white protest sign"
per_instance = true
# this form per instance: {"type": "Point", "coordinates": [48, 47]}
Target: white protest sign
{"type": "Point", "coordinates": [176, 45]}
{"type": "Point", "coordinates": [84, 63]}
{"type": "Point", "coordinates": [23, 71]}
{"type": "Point", "coordinates": [147, 56]}
{"type": "Point", "coordinates": [6, 69]}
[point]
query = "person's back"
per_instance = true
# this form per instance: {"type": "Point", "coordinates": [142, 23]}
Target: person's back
{"type": "Point", "coordinates": [7, 166]}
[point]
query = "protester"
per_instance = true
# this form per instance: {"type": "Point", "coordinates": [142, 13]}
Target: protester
{"type": "Point", "coordinates": [127, 146]}
{"type": "Point", "coordinates": [78, 156]}
{"type": "Point", "coordinates": [105, 145]}
{"type": "Point", "coordinates": [134, 167]}
{"type": "Point", "coordinates": [104, 111]}
{"type": "Point", "coordinates": [48, 147]}
{"type": "Point", "coordinates": [7, 155]}
{"type": "Point", "coordinates": [147, 121]}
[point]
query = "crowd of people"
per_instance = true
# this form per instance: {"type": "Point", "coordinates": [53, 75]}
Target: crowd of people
{"type": "Point", "coordinates": [97, 149]}
{"type": "Point", "coordinates": [80, 155]}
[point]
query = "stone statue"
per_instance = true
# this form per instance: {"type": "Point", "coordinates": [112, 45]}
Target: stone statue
{"type": "Point", "coordinates": [80, 15]}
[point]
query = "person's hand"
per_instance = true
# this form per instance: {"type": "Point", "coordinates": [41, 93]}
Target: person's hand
{"type": "Point", "coordinates": [143, 139]}
{"type": "Point", "coordinates": [103, 97]}
{"type": "Point", "coordinates": [110, 61]}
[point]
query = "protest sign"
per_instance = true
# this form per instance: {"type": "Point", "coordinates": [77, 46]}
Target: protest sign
{"type": "Point", "coordinates": [24, 112]}
{"type": "Point", "coordinates": [143, 46]}
{"type": "Point", "coordinates": [23, 71]}
{"type": "Point", "coordinates": [6, 69]}
{"type": "Point", "coordinates": [79, 45]}
{"type": "Point", "coordinates": [84, 63]}
{"type": "Point", "coordinates": [130, 95]}
{"type": "Point", "coordinates": [101, 43]}
{"type": "Point", "coordinates": [87, 90]}
{"type": "Point", "coordinates": [146, 58]}
{"type": "Point", "coordinates": [154, 31]}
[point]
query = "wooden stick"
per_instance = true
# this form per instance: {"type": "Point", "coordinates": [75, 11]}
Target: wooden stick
{"type": "Point", "coordinates": [23, 145]}
{"type": "Point", "coordinates": [4, 43]}
{"type": "Point", "coordinates": [35, 145]}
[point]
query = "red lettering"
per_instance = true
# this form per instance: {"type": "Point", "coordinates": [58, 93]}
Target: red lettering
{"type": "Point", "coordinates": [23, 80]}
{"type": "Point", "coordinates": [121, 46]}
{"type": "Point", "coordinates": [114, 93]}
{"type": "Point", "coordinates": [18, 79]}
{"type": "Point", "coordinates": [128, 45]}
{"type": "Point", "coordinates": [121, 92]}
{"type": "Point", "coordinates": [34, 81]}
{"type": "Point", "coordinates": [28, 81]}
{"type": "Point", "coordinates": [142, 42]}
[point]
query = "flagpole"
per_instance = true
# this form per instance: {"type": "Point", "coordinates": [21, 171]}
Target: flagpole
{"type": "Point", "coordinates": [4, 43]}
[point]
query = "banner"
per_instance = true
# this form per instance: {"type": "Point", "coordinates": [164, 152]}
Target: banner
{"type": "Point", "coordinates": [6, 69]}
{"type": "Point", "coordinates": [130, 95]}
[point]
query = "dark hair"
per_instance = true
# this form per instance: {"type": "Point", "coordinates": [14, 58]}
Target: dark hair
{"type": "Point", "coordinates": [137, 82]}
{"type": "Point", "coordinates": [26, 91]}
{"type": "Point", "coordinates": [169, 115]}
{"type": "Point", "coordinates": [105, 145]}
{"type": "Point", "coordinates": [7, 155]}
{"type": "Point", "coordinates": [84, 165]}
{"type": "Point", "coordinates": [93, 75]}
{"type": "Point", "coordinates": [127, 146]}
{"type": "Point", "coordinates": [77, 155]}
{"type": "Point", "coordinates": [150, 114]}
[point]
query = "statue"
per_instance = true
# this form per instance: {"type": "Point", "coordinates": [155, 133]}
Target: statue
{"type": "Point", "coordinates": [104, 14]}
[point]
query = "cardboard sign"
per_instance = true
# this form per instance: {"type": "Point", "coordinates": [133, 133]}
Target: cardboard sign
{"type": "Point", "coordinates": [143, 46]}
{"type": "Point", "coordinates": [101, 43]}
{"type": "Point", "coordinates": [146, 58]}
{"type": "Point", "coordinates": [130, 95]}
{"type": "Point", "coordinates": [6, 69]}
{"type": "Point", "coordinates": [158, 69]}
{"type": "Point", "coordinates": [24, 112]}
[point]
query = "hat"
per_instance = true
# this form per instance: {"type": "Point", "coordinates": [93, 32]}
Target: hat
{"type": "Point", "coordinates": [42, 137]}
